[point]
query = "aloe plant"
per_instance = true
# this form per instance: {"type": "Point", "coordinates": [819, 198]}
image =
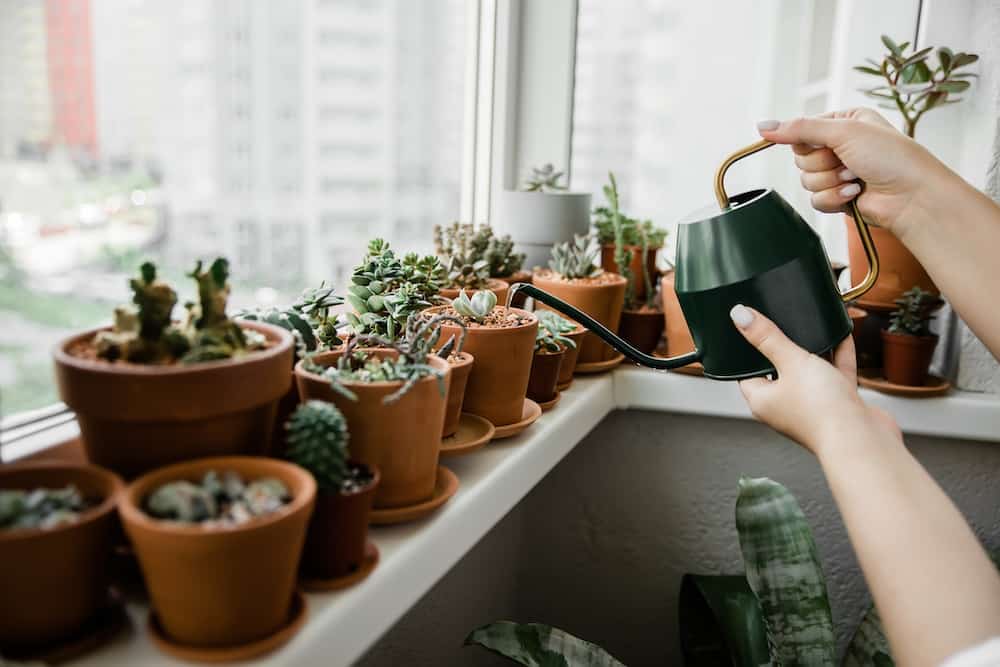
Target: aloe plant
{"type": "Point", "coordinates": [537, 645]}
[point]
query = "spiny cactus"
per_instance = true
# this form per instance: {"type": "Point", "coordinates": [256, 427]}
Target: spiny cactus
{"type": "Point", "coordinates": [224, 500]}
{"type": "Point", "coordinates": [576, 259]}
{"type": "Point", "coordinates": [543, 179]}
{"type": "Point", "coordinates": [317, 441]}
{"type": "Point", "coordinates": [463, 251]}
{"type": "Point", "coordinates": [478, 307]}
{"type": "Point", "coordinates": [40, 508]}
{"type": "Point", "coordinates": [912, 316]}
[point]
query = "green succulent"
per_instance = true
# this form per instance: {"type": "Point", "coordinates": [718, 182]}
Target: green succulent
{"type": "Point", "coordinates": [912, 315]}
{"type": "Point", "coordinates": [40, 507]}
{"type": "Point", "coordinates": [317, 441]}
{"type": "Point", "coordinates": [543, 179]}
{"type": "Point", "coordinates": [476, 308]}
{"type": "Point", "coordinates": [462, 249]}
{"type": "Point", "coordinates": [500, 255]}
{"type": "Point", "coordinates": [550, 336]}
{"type": "Point", "coordinates": [623, 255]}
{"type": "Point", "coordinates": [308, 319]}
{"type": "Point", "coordinates": [576, 259]}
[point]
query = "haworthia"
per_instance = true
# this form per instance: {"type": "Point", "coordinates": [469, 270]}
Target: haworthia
{"type": "Point", "coordinates": [537, 645]}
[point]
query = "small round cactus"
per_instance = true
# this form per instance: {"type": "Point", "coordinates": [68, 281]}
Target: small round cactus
{"type": "Point", "coordinates": [317, 441]}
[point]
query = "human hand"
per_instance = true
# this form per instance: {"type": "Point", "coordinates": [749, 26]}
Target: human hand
{"type": "Point", "coordinates": [812, 402]}
{"type": "Point", "coordinates": [835, 149]}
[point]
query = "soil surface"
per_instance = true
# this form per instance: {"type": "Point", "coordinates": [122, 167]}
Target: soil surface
{"type": "Point", "coordinates": [646, 310]}
{"type": "Point", "coordinates": [85, 349]}
{"type": "Point", "coordinates": [499, 318]}
{"type": "Point", "coordinates": [605, 278]}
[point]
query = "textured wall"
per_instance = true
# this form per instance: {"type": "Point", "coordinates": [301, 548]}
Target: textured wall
{"type": "Point", "coordinates": [599, 546]}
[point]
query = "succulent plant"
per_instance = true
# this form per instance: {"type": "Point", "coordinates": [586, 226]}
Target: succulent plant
{"type": "Point", "coordinates": [543, 179]}
{"type": "Point", "coordinates": [576, 259]}
{"type": "Point", "coordinates": [40, 508]}
{"type": "Point", "coordinates": [423, 333]}
{"type": "Point", "coordinates": [308, 319]}
{"type": "Point", "coordinates": [912, 316]}
{"type": "Point", "coordinates": [317, 441]}
{"type": "Point", "coordinates": [224, 500]}
{"type": "Point", "coordinates": [550, 336]}
{"type": "Point", "coordinates": [501, 257]}
{"type": "Point", "coordinates": [633, 232]}
{"type": "Point", "coordinates": [463, 251]}
{"type": "Point", "coordinates": [478, 307]}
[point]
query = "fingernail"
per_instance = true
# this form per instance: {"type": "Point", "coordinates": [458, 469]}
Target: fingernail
{"type": "Point", "coordinates": [767, 125]}
{"type": "Point", "coordinates": [850, 190]}
{"type": "Point", "coordinates": [817, 146]}
{"type": "Point", "coordinates": [846, 175]}
{"type": "Point", "coordinates": [741, 315]}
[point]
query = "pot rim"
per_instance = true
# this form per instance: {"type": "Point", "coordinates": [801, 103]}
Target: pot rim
{"type": "Point", "coordinates": [546, 274]}
{"type": "Point", "coordinates": [491, 284]}
{"type": "Point", "coordinates": [372, 483]}
{"type": "Point", "coordinates": [905, 338]}
{"type": "Point", "coordinates": [658, 314]}
{"type": "Point", "coordinates": [131, 510]}
{"type": "Point", "coordinates": [465, 359]}
{"type": "Point", "coordinates": [557, 193]}
{"type": "Point", "coordinates": [486, 330]}
{"type": "Point", "coordinates": [546, 353]}
{"type": "Point", "coordinates": [435, 361]}
{"type": "Point", "coordinates": [88, 516]}
{"type": "Point", "coordinates": [62, 356]}
{"type": "Point", "coordinates": [631, 246]}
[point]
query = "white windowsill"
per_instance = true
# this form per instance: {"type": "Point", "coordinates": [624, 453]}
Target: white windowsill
{"type": "Point", "coordinates": [342, 626]}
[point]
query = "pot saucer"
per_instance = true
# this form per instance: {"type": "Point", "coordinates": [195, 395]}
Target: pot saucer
{"type": "Point", "coordinates": [531, 412]}
{"type": "Point", "coordinates": [548, 405]}
{"type": "Point", "coordinates": [563, 386]}
{"type": "Point", "coordinates": [873, 379]}
{"type": "Point", "coordinates": [598, 366]}
{"type": "Point", "coordinates": [473, 432]}
{"type": "Point", "coordinates": [296, 617]}
{"type": "Point", "coordinates": [337, 583]}
{"type": "Point", "coordinates": [110, 620]}
{"type": "Point", "coordinates": [444, 488]}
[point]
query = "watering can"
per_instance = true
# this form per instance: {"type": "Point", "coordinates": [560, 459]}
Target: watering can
{"type": "Point", "coordinates": [753, 249]}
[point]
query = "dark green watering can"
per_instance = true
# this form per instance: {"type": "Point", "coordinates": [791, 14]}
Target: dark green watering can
{"type": "Point", "coordinates": [754, 249]}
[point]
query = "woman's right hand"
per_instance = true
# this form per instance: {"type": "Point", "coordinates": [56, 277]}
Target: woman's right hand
{"type": "Point", "coordinates": [836, 149]}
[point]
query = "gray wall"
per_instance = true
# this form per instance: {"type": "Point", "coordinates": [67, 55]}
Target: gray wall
{"type": "Point", "coordinates": [599, 546]}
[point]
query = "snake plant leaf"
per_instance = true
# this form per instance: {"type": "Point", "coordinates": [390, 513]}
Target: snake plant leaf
{"type": "Point", "coordinates": [783, 570]}
{"type": "Point", "coordinates": [720, 622]}
{"type": "Point", "coordinates": [868, 647]}
{"type": "Point", "coordinates": [537, 645]}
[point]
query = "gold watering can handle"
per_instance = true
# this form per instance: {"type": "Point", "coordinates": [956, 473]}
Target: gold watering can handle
{"type": "Point", "coordinates": [866, 237]}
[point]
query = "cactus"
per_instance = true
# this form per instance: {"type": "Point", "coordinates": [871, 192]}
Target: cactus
{"type": "Point", "coordinates": [40, 508]}
{"type": "Point", "coordinates": [576, 259]}
{"type": "Point", "coordinates": [463, 251]}
{"type": "Point", "coordinates": [217, 501]}
{"type": "Point", "coordinates": [317, 441]}
{"type": "Point", "coordinates": [543, 179]}
{"type": "Point", "coordinates": [913, 315]}
{"type": "Point", "coordinates": [478, 307]}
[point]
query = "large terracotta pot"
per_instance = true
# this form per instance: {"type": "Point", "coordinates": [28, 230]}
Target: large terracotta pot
{"type": "Point", "coordinates": [338, 531]}
{"type": "Point", "coordinates": [225, 586]}
{"type": "Point", "coordinates": [905, 358]}
{"type": "Point", "coordinates": [498, 382]}
{"type": "Point", "coordinates": [544, 375]}
{"type": "Point", "coordinates": [498, 287]}
{"type": "Point", "coordinates": [519, 277]}
{"type": "Point", "coordinates": [460, 371]}
{"type": "Point", "coordinates": [401, 439]}
{"type": "Point", "coordinates": [899, 269]}
{"type": "Point", "coordinates": [608, 264]}
{"type": "Point", "coordinates": [642, 328]}
{"type": "Point", "coordinates": [601, 300]}
{"type": "Point", "coordinates": [53, 580]}
{"type": "Point", "coordinates": [679, 340]}
{"type": "Point", "coordinates": [135, 417]}
{"type": "Point", "coordinates": [568, 364]}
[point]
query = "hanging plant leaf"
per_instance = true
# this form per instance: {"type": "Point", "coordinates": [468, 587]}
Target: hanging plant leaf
{"type": "Point", "coordinates": [537, 645]}
{"type": "Point", "coordinates": [720, 622]}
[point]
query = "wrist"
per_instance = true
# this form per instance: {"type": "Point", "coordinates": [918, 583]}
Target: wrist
{"type": "Point", "coordinates": [933, 202]}
{"type": "Point", "coordinates": [855, 434]}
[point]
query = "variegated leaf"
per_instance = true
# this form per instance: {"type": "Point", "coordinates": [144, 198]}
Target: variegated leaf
{"type": "Point", "coordinates": [537, 645]}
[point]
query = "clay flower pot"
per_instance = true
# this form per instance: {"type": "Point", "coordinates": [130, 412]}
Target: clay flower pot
{"type": "Point", "coordinates": [402, 439]}
{"type": "Point", "coordinates": [226, 586]}
{"type": "Point", "coordinates": [899, 269]}
{"type": "Point", "coordinates": [679, 340]}
{"type": "Point", "coordinates": [568, 364]}
{"type": "Point", "coordinates": [135, 417]}
{"type": "Point", "coordinates": [498, 287]}
{"type": "Point", "coordinates": [338, 531]}
{"type": "Point", "coordinates": [55, 579]}
{"type": "Point", "coordinates": [460, 370]}
{"type": "Point", "coordinates": [608, 264]}
{"type": "Point", "coordinates": [642, 328]}
{"type": "Point", "coordinates": [905, 358]}
{"type": "Point", "coordinates": [544, 375]}
{"type": "Point", "coordinates": [498, 382]}
{"type": "Point", "coordinates": [519, 277]}
{"type": "Point", "coordinates": [602, 298]}
{"type": "Point", "coordinates": [857, 316]}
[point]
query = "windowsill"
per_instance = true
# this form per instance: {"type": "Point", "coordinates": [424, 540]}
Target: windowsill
{"type": "Point", "coordinates": [343, 625]}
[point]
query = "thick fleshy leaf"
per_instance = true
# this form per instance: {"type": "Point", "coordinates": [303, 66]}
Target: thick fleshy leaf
{"type": "Point", "coordinates": [868, 647]}
{"type": "Point", "coordinates": [720, 622]}
{"type": "Point", "coordinates": [891, 45]}
{"type": "Point", "coordinates": [783, 570]}
{"type": "Point", "coordinates": [537, 645]}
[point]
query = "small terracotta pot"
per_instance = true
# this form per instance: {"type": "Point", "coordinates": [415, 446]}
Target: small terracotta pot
{"type": "Point", "coordinates": [402, 439]}
{"type": "Point", "coordinates": [53, 580]}
{"type": "Point", "coordinates": [498, 287]}
{"type": "Point", "coordinates": [217, 587]}
{"type": "Point", "coordinates": [520, 277]}
{"type": "Point", "coordinates": [456, 393]}
{"type": "Point", "coordinates": [642, 328]}
{"type": "Point", "coordinates": [857, 316]}
{"type": "Point", "coordinates": [899, 270]}
{"type": "Point", "coordinates": [608, 264]}
{"type": "Point", "coordinates": [679, 340]}
{"type": "Point", "coordinates": [544, 375]}
{"type": "Point", "coordinates": [905, 358]}
{"type": "Point", "coordinates": [602, 301]}
{"type": "Point", "coordinates": [338, 531]}
{"type": "Point", "coordinates": [568, 364]}
{"type": "Point", "coordinates": [498, 382]}
{"type": "Point", "coordinates": [135, 417]}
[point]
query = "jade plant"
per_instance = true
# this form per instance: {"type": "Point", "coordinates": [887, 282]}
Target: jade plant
{"type": "Point", "coordinates": [308, 319]}
{"type": "Point", "coordinates": [912, 315]}
{"type": "Point", "coordinates": [224, 499]}
{"type": "Point", "coordinates": [478, 307]}
{"type": "Point", "coordinates": [543, 179]}
{"type": "Point", "coordinates": [143, 332]}
{"type": "Point", "coordinates": [317, 441]}
{"type": "Point", "coordinates": [40, 508]}
{"type": "Point", "coordinates": [577, 259]}
{"type": "Point", "coordinates": [912, 84]}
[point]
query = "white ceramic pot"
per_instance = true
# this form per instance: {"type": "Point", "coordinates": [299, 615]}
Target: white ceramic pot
{"type": "Point", "coordinates": [536, 220]}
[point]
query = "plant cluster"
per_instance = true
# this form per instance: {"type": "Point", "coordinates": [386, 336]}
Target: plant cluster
{"type": "Point", "coordinates": [551, 328]}
{"type": "Point", "coordinates": [912, 316]}
{"type": "Point", "coordinates": [308, 319]}
{"type": "Point", "coordinates": [144, 332]}
{"type": "Point", "coordinates": [317, 441]}
{"type": "Point", "coordinates": [474, 255]}
{"type": "Point", "coordinates": [386, 290]}
{"type": "Point", "coordinates": [476, 308]}
{"type": "Point", "coordinates": [500, 255]}
{"type": "Point", "coordinates": [543, 179]}
{"type": "Point", "coordinates": [625, 231]}
{"type": "Point", "coordinates": [576, 259]}
{"type": "Point", "coordinates": [40, 508]}
{"type": "Point", "coordinates": [218, 500]}
{"type": "Point", "coordinates": [912, 85]}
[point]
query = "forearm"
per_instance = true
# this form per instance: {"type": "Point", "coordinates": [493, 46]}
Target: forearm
{"type": "Point", "coordinates": [936, 590]}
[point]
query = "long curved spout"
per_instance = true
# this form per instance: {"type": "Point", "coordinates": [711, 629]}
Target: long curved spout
{"type": "Point", "coordinates": [602, 331]}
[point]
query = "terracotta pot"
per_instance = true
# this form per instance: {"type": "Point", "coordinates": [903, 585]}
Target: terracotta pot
{"type": "Point", "coordinates": [56, 579]}
{"type": "Point", "coordinates": [544, 375]}
{"type": "Point", "coordinates": [498, 287]}
{"type": "Point", "coordinates": [135, 417]}
{"type": "Point", "coordinates": [498, 382]}
{"type": "Point", "coordinates": [402, 439]}
{"type": "Point", "coordinates": [679, 340]}
{"type": "Point", "coordinates": [899, 269]}
{"type": "Point", "coordinates": [602, 301]}
{"type": "Point", "coordinates": [456, 393]}
{"type": "Point", "coordinates": [905, 358]}
{"type": "Point", "coordinates": [642, 328]}
{"type": "Point", "coordinates": [286, 406]}
{"type": "Point", "coordinates": [338, 531]}
{"type": "Point", "coordinates": [519, 277]}
{"type": "Point", "coordinates": [568, 364]}
{"type": "Point", "coordinates": [608, 264]}
{"type": "Point", "coordinates": [216, 587]}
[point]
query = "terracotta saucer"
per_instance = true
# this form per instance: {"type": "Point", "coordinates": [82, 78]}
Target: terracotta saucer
{"type": "Point", "coordinates": [598, 366]}
{"type": "Point", "coordinates": [933, 386]}
{"type": "Point", "coordinates": [296, 617]}
{"type": "Point", "coordinates": [337, 583]}
{"type": "Point", "coordinates": [444, 489]}
{"type": "Point", "coordinates": [110, 620]}
{"type": "Point", "coordinates": [473, 432]}
{"type": "Point", "coordinates": [564, 386]}
{"type": "Point", "coordinates": [548, 405]}
{"type": "Point", "coordinates": [531, 412]}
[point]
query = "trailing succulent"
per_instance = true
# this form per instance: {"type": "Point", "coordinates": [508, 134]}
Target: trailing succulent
{"type": "Point", "coordinates": [308, 319]}
{"type": "Point", "coordinates": [912, 315]}
{"type": "Point", "coordinates": [476, 308]}
{"type": "Point", "coordinates": [386, 290]}
{"type": "Point", "coordinates": [40, 508]}
{"type": "Point", "coordinates": [143, 332]}
{"type": "Point", "coordinates": [551, 327]}
{"type": "Point", "coordinates": [317, 441]}
{"type": "Point", "coordinates": [576, 259]}
{"type": "Point", "coordinates": [218, 500]}
{"type": "Point", "coordinates": [623, 255]}
{"type": "Point", "coordinates": [543, 179]}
